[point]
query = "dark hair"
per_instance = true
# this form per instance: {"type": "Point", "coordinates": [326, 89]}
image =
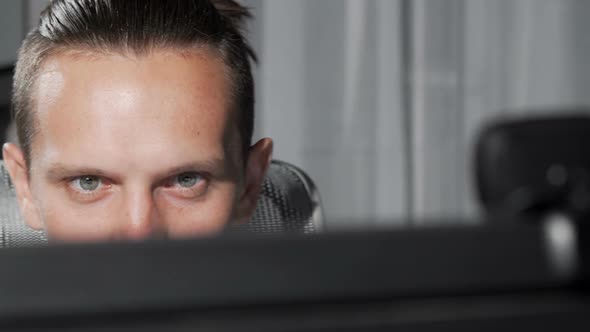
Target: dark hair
{"type": "Point", "coordinates": [137, 26]}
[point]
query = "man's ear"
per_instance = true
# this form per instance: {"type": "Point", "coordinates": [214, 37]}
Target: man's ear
{"type": "Point", "coordinates": [259, 158]}
{"type": "Point", "coordinates": [17, 168]}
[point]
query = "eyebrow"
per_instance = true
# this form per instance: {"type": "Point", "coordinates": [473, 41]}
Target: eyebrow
{"type": "Point", "coordinates": [214, 166]}
{"type": "Point", "coordinates": [59, 171]}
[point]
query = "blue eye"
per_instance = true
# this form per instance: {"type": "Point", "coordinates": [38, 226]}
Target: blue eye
{"type": "Point", "coordinates": [88, 183]}
{"type": "Point", "coordinates": [188, 180]}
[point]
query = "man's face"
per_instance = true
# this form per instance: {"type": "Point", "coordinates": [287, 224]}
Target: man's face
{"type": "Point", "coordinates": [130, 147]}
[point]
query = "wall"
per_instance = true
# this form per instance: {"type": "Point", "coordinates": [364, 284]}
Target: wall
{"type": "Point", "coordinates": [11, 29]}
{"type": "Point", "coordinates": [11, 32]}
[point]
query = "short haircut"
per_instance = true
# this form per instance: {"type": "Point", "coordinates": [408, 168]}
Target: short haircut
{"type": "Point", "coordinates": [137, 26]}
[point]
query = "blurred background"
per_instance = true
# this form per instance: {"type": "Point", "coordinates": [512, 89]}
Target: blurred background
{"type": "Point", "coordinates": [380, 101]}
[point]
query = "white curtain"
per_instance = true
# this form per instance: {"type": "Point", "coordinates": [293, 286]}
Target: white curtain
{"type": "Point", "coordinates": [380, 101]}
{"type": "Point", "coordinates": [330, 95]}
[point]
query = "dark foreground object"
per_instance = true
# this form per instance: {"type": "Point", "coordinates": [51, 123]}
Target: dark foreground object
{"type": "Point", "coordinates": [450, 279]}
{"type": "Point", "coordinates": [535, 165]}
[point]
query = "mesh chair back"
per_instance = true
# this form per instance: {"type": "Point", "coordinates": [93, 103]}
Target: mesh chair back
{"type": "Point", "coordinates": [13, 231]}
{"type": "Point", "coordinates": [288, 202]}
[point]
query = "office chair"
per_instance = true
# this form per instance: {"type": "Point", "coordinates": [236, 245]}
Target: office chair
{"type": "Point", "coordinates": [288, 202]}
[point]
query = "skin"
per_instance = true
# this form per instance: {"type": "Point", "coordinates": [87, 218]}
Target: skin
{"type": "Point", "coordinates": [131, 147]}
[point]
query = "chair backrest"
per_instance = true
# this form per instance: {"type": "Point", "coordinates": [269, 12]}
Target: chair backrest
{"type": "Point", "coordinates": [288, 202]}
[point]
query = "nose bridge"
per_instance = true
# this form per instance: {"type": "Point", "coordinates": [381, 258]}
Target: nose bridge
{"type": "Point", "coordinates": [142, 215]}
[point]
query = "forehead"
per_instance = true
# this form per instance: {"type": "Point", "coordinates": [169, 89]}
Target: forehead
{"type": "Point", "coordinates": [121, 107]}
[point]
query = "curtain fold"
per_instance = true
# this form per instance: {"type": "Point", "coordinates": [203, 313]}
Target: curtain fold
{"type": "Point", "coordinates": [330, 80]}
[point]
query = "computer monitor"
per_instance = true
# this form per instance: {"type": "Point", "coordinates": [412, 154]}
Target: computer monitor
{"type": "Point", "coordinates": [459, 278]}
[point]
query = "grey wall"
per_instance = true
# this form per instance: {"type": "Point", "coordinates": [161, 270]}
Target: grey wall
{"type": "Point", "coordinates": [11, 29]}
{"type": "Point", "coordinates": [17, 17]}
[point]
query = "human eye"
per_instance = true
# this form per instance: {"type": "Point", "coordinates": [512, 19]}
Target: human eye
{"type": "Point", "coordinates": [87, 187]}
{"type": "Point", "coordinates": [187, 180]}
{"type": "Point", "coordinates": [188, 184]}
{"type": "Point", "coordinates": [87, 183]}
